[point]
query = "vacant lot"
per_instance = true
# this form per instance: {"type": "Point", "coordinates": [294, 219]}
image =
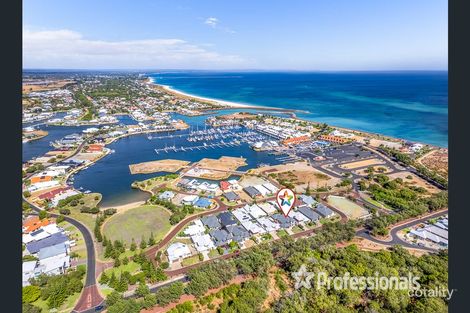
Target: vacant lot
{"type": "Point", "coordinates": [377, 169]}
{"type": "Point", "coordinates": [413, 180]}
{"type": "Point", "coordinates": [300, 174]}
{"type": "Point", "coordinates": [224, 163]}
{"type": "Point", "coordinates": [351, 209]}
{"type": "Point", "coordinates": [362, 163]}
{"type": "Point", "coordinates": [437, 160]}
{"type": "Point", "coordinates": [138, 222]}
{"type": "Point", "coordinates": [168, 165]}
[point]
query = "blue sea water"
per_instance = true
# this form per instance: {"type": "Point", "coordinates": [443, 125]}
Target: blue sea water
{"type": "Point", "coordinates": [408, 105]}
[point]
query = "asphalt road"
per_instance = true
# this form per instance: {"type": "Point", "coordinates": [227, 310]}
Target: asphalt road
{"type": "Point", "coordinates": [394, 233]}
{"type": "Point", "coordinates": [90, 294]}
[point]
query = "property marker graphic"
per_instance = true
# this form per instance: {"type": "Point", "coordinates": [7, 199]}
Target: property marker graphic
{"type": "Point", "coordinates": [285, 199]}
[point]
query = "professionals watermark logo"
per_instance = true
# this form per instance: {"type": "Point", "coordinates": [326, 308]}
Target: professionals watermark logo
{"type": "Point", "coordinates": [321, 280]}
{"type": "Point", "coordinates": [286, 200]}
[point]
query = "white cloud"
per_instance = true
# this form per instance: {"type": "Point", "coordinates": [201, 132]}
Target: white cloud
{"type": "Point", "coordinates": [211, 21]}
{"type": "Point", "coordinates": [69, 49]}
{"type": "Point", "coordinates": [214, 23]}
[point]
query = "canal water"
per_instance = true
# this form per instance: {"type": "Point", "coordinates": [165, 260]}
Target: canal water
{"type": "Point", "coordinates": [111, 177]}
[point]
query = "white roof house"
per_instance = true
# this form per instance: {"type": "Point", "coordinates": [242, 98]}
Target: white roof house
{"type": "Point", "coordinates": [268, 224]}
{"type": "Point", "coordinates": [62, 196]}
{"type": "Point", "coordinates": [43, 185]}
{"type": "Point", "coordinates": [299, 217]}
{"type": "Point", "coordinates": [54, 265]}
{"type": "Point", "coordinates": [194, 229]}
{"type": "Point", "coordinates": [166, 195]}
{"type": "Point", "coordinates": [268, 208]}
{"type": "Point", "coordinates": [264, 191]}
{"type": "Point", "coordinates": [253, 228]}
{"type": "Point", "coordinates": [270, 187]}
{"type": "Point", "coordinates": [255, 211]}
{"type": "Point", "coordinates": [202, 242]}
{"type": "Point", "coordinates": [424, 234]}
{"type": "Point", "coordinates": [28, 271]}
{"type": "Point", "coordinates": [437, 231]}
{"type": "Point", "coordinates": [190, 199]}
{"type": "Point", "coordinates": [241, 214]}
{"type": "Point", "coordinates": [41, 233]}
{"type": "Point", "coordinates": [178, 251]}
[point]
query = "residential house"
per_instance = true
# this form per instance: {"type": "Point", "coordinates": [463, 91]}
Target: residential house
{"type": "Point", "coordinates": [211, 222]}
{"type": "Point", "coordinates": [194, 229]}
{"type": "Point", "coordinates": [308, 200]}
{"type": "Point", "coordinates": [221, 237]}
{"type": "Point", "coordinates": [231, 196]}
{"type": "Point", "coordinates": [251, 191]}
{"type": "Point", "coordinates": [309, 213]}
{"type": "Point", "coordinates": [203, 203]}
{"type": "Point", "coordinates": [202, 242]}
{"type": "Point", "coordinates": [54, 239]}
{"type": "Point", "coordinates": [178, 251]}
{"type": "Point", "coordinates": [324, 211]}
{"type": "Point", "coordinates": [239, 233]}
{"type": "Point", "coordinates": [189, 200]}
{"type": "Point", "coordinates": [285, 222]}
{"type": "Point", "coordinates": [166, 195]}
{"type": "Point", "coordinates": [226, 218]}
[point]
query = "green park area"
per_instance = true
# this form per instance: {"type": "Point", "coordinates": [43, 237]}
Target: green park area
{"type": "Point", "coordinates": [138, 222]}
{"type": "Point", "coordinates": [348, 207]}
{"type": "Point", "coordinates": [82, 207]}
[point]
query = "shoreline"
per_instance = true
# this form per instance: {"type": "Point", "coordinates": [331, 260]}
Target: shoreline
{"type": "Point", "coordinates": [235, 105]}
{"type": "Point", "coordinates": [228, 104]}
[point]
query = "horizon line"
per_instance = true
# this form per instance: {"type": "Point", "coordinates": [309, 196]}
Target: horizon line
{"type": "Point", "coordinates": [231, 70]}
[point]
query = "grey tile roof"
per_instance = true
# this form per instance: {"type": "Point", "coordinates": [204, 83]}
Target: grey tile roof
{"type": "Point", "coordinates": [210, 221]}
{"type": "Point", "coordinates": [220, 237]}
{"type": "Point", "coordinates": [305, 210]}
{"type": "Point", "coordinates": [238, 232]}
{"type": "Point", "coordinates": [54, 239]}
{"type": "Point", "coordinates": [231, 196]}
{"type": "Point", "coordinates": [284, 221]}
{"type": "Point", "coordinates": [323, 210]}
{"type": "Point", "coordinates": [51, 251]}
{"type": "Point", "coordinates": [227, 218]}
{"type": "Point", "coordinates": [252, 191]}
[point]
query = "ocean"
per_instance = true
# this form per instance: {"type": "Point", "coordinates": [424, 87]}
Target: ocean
{"type": "Point", "coordinates": [407, 105]}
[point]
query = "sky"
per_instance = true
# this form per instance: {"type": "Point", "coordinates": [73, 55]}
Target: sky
{"type": "Point", "coordinates": [311, 35]}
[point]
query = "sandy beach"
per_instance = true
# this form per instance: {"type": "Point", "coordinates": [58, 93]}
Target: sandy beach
{"type": "Point", "coordinates": [125, 207]}
{"type": "Point", "coordinates": [230, 104]}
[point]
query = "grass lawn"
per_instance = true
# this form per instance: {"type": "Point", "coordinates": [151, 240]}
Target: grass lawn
{"type": "Point", "coordinates": [86, 218]}
{"type": "Point", "coordinates": [282, 233]}
{"type": "Point", "coordinates": [191, 260]}
{"type": "Point", "coordinates": [151, 183]}
{"type": "Point", "coordinates": [138, 222]}
{"type": "Point", "coordinates": [375, 202]}
{"type": "Point", "coordinates": [66, 307]}
{"type": "Point", "coordinates": [213, 253]}
{"type": "Point", "coordinates": [105, 290]}
{"type": "Point", "coordinates": [130, 267]}
{"type": "Point", "coordinates": [296, 229]}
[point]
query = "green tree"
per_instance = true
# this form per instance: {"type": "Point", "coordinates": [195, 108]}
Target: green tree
{"type": "Point", "coordinates": [104, 279]}
{"type": "Point", "coordinates": [133, 245]}
{"type": "Point", "coordinates": [31, 294]}
{"type": "Point", "coordinates": [29, 308]}
{"type": "Point", "coordinates": [42, 214]}
{"type": "Point", "coordinates": [151, 240]}
{"type": "Point", "coordinates": [143, 243]}
{"type": "Point", "coordinates": [142, 290]}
